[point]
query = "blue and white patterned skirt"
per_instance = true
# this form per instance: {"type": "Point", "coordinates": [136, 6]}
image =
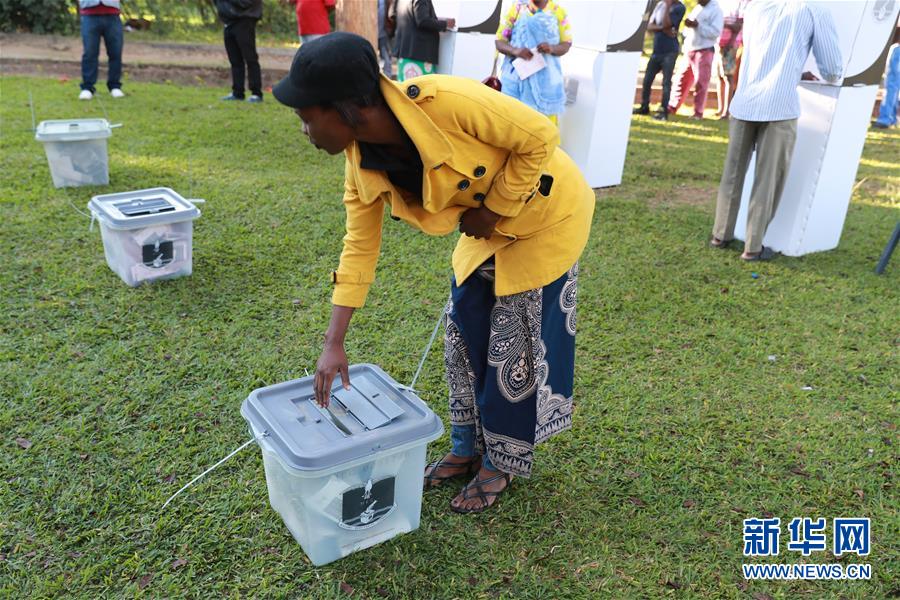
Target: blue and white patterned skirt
{"type": "Point", "coordinates": [510, 365]}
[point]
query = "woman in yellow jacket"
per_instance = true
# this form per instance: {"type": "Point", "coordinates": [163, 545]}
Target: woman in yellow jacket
{"type": "Point", "coordinates": [445, 153]}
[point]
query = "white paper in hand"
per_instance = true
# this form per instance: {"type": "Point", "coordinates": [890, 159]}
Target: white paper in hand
{"type": "Point", "coordinates": [527, 68]}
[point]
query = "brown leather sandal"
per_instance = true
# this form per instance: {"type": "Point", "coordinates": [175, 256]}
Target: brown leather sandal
{"type": "Point", "coordinates": [481, 493]}
{"type": "Point", "coordinates": [461, 469]}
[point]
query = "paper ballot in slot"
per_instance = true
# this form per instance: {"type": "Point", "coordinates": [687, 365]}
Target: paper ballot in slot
{"type": "Point", "coordinates": [371, 412]}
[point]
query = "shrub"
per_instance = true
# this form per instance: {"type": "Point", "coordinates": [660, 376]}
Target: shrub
{"type": "Point", "coordinates": [38, 16]}
{"type": "Point", "coordinates": [60, 16]}
{"type": "Point", "coordinates": [184, 15]}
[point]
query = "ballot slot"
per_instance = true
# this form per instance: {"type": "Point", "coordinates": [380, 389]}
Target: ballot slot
{"type": "Point", "coordinates": [144, 206]}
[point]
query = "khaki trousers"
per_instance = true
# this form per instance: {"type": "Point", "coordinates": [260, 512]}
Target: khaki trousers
{"type": "Point", "coordinates": [774, 144]}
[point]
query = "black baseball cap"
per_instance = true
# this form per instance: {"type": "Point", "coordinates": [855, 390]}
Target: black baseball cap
{"type": "Point", "coordinates": [337, 66]}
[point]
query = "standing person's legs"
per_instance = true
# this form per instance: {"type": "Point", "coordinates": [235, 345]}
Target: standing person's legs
{"type": "Point", "coordinates": [384, 49]}
{"type": "Point", "coordinates": [90, 39]}
{"type": "Point", "coordinates": [668, 67]}
{"type": "Point", "coordinates": [685, 80]}
{"type": "Point", "coordinates": [524, 362]}
{"type": "Point", "coordinates": [468, 321]}
{"type": "Point", "coordinates": [465, 363]}
{"type": "Point", "coordinates": [887, 115]}
{"type": "Point", "coordinates": [736, 73]}
{"type": "Point", "coordinates": [721, 82]}
{"type": "Point", "coordinates": [233, 49]}
{"type": "Point", "coordinates": [728, 72]}
{"type": "Point", "coordinates": [774, 149]}
{"type": "Point", "coordinates": [114, 39]}
{"type": "Point", "coordinates": [462, 443]}
{"type": "Point", "coordinates": [702, 62]}
{"type": "Point", "coordinates": [246, 40]}
{"type": "Point", "coordinates": [741, 140]}
{"type": "Point", "coordinates": [308, 37]}
{"type": "Point", "coordinates": [654, 66]}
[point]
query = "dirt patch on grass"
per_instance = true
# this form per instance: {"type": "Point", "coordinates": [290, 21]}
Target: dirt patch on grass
{"type": "Point", "coordinates": [685, 195]}
{"type": "Point", "coordinates": [876, 188]}
{"type": "Point", "coordinates": [155, 73]}
{"type": "Point", "coordinates": [159, 62]}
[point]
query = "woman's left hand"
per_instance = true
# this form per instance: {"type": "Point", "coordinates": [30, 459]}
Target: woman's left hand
{"type": "Point", "coordinates": [478, 222]}
{"type": "Point", "coordinates": [545, 48]}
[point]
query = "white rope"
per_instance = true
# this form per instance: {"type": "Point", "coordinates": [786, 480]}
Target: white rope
{"type": "Point", "coordinates": [31, 104]}
{"type": "Point", "coordinates": [106, 113]}
{"type": "Point", "coordinates": [79, 211]}
{"type": "Point", "coordinates": [91, 216]}
{"type": "Point", "coordinates": [215, 466]}
{"type": "Point", "coordinates": [412, 385]}
{"type": "Point", "coordinates": [103, 107]}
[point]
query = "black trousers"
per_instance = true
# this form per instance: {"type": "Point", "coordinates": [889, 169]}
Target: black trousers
{"type": "Point", "coordinates": [240, 44]}
{"type": "Point", "coordinates": [666, 64]}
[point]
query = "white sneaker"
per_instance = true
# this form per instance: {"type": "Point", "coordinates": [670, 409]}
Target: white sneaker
{"type": "Point", "coordinates": [85, 95]}
{"type": "Point", "coordinates": [116, 93]}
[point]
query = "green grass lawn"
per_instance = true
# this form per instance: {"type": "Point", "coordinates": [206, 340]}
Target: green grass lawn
{"type": "Point", "coordinates": [683, 426]}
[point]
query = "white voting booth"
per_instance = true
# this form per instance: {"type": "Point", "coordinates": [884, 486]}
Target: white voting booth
{"type": "Point", "coordinates": [468, 51]}
{"type": "Point", "coordinates": [601, 68]}
{"type": "Point", "coordinates": [831, 132]}
{"type": "Point", "coordinates": [604, 61]}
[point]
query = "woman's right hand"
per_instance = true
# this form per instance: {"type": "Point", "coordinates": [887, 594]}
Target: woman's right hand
{"type": "Point", "coordinates": [332, 361]}
{"type": "Point", "coordinates": [524, 53]}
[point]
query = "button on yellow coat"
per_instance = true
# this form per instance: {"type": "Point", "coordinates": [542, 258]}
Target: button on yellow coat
{"type": "Point", "coordinates": [478, 147]}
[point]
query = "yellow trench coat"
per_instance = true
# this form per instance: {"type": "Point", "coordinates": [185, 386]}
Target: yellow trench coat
{"type": "Point", "coordinates": [477, 146]}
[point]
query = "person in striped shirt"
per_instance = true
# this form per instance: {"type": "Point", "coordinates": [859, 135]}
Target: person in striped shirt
{"type": "Point", "coordinates": [778, 38]}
